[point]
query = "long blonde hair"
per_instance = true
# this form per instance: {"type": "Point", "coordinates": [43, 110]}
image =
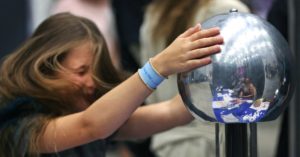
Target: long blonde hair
{"type": "Point", "coordinates": [29, 71]}
{"type": "Point", "coordinates": [174, 17]}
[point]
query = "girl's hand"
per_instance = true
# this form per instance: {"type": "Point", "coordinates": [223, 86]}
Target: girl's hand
{"type": "Point", "coordinates": [190, 50]}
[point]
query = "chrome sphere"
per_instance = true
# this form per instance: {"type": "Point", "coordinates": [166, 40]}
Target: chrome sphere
{"type": "Point", "coordinates": [250, 80]}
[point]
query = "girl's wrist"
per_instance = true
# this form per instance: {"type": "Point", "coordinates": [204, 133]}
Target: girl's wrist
{"type": "Point", "coordinates": [159, 67]}
{"type": "Point", "coordinates": [150, 76]}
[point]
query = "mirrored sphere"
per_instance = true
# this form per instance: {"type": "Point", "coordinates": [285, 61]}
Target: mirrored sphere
{"type": "Point", "coordinates": [250, 80]}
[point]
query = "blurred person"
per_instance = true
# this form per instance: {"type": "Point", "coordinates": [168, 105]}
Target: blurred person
{"type": "Point", "coordinates": [129, 17]}
{"type": "Point", "coordinates": [164, 20]}
{"type": "Point", "coordinates": [248, 90]}
{"type": "Point", "coordinates": [61, 95]}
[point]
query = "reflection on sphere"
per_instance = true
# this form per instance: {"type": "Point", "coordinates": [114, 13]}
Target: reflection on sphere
{"type": "Point", "coordinates": [249, 81]}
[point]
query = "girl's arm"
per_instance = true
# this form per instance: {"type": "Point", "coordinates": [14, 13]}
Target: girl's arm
{"type": "Point", "coordinates": [151, 119]}
{"type": "Point", "coordinates": [190, 50]}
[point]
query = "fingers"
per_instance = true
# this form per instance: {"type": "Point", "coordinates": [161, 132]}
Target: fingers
{"type": "Point", "coordinates": [204, 52]}
{"type": "Point", "coordinates": [201, 57]}
{"type": "Point", "coordinates": [189, 51]}
{"type": "Point", "coordinates": [205, 42]}
{"type": "Point", "coordinates": [205, 33]}
{"type": "Point", "coordinates": [193, 64]}
{"type": "Point", "coordinates": [190, 31]}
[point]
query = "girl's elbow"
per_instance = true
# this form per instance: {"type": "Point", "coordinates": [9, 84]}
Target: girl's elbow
{"type": "Point", "coordinates": [94, 130]}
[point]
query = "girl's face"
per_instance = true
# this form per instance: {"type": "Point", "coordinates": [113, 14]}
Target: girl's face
{"type": "Point", "coordinates": [78, 70]}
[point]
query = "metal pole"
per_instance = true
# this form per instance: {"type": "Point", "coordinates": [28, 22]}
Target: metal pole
{"type": "Point", "coordinates": [236, 140]}
{"type": "Point", "coordinates": [253, 139]}
{"type": "Point", "coordinates": [217, 130]}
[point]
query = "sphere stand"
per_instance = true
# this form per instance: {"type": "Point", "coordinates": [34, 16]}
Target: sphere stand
{"type": "Point", "coordinates": [240, 140]}
{"type": "Point", "coordinates": [236, 140]}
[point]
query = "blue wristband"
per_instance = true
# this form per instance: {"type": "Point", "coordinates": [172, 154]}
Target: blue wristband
{"type": "Point", "coordinates": [149, 76]}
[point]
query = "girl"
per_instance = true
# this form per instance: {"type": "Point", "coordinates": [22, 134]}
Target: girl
{"type": "Point", "coordinates": [60, 94]}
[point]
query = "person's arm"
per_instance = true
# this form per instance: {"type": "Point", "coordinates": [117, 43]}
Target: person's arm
{"type": "Point", "coordinates": [150, 119]}
{"type": "Point", "coordinates": [241, 93]}
{"type": "Point", "coordinates": [253, 90]}
{"type": "Point", "coordinates": [190, 50]}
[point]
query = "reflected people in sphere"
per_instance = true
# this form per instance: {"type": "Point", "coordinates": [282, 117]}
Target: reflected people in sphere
{"type": "Point", "coordinates": [248, 90]}
{"type": "Point", "coordinates": [230, 107]}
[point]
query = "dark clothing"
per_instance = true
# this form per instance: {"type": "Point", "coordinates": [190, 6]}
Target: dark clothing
{"type": "Point", "coordinates": [278, 16]}
{"type": "Point", "coordinates": [94, 149]}
{"type": "Point", "coordinates": [20, 118]}
{"type": "Point", "coordinates": [129, 17]}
